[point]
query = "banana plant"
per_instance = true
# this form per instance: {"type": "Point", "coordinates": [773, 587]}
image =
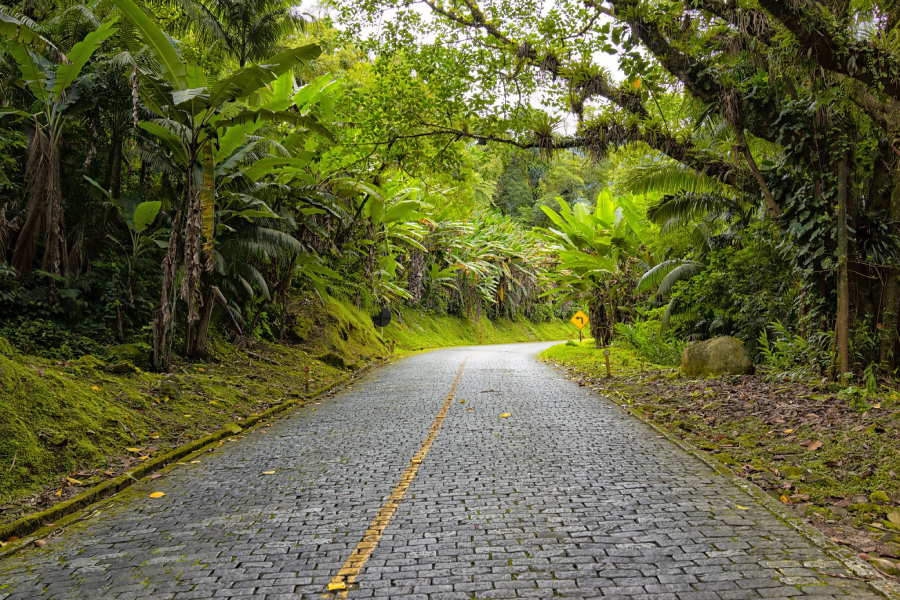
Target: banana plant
{"type": "Point", "coordinates": [57, 91]}
{"type": "Point", "coordinates": [597, 253]}
{"type": "Point", "coordinates": [194, 116]}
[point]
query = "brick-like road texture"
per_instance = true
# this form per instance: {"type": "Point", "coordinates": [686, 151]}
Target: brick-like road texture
{"type": "Point", "coordinates": [569, 496]}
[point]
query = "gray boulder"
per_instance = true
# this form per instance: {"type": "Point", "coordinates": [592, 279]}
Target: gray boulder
{"type": "Point", "coordinates": [717, 356]}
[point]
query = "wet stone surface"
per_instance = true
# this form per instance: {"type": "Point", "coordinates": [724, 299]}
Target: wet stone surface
{"type": "Point", "coordinates": [567, 497]}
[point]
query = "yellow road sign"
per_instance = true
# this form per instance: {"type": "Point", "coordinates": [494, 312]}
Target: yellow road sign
{"type": "Point", "coordinates": [579, 319]}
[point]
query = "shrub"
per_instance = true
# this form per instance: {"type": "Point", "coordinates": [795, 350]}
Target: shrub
{"type": "Point", "coordinates": [644, 337]}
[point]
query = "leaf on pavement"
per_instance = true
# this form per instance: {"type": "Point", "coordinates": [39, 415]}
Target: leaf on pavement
{"type": "Point", "coordinates": [504, 415]}
{"type": "Point", "coordinates": [742, 507]}
{"type": "Point", "coordinates": [268, 472]}
{"type": "Point", "coordinates": [157, 494]}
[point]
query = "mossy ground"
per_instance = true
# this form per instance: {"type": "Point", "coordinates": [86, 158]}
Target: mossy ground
{"type": "Point", "coordinates": [830, 458]}
{"type": "Point", "coordinates": [419, 329]}
{"type": "Point", "coordinates": [77, 420]}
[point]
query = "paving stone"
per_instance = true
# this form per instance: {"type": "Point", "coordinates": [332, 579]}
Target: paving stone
{"type": "Point", "coordinates": [568, 497]}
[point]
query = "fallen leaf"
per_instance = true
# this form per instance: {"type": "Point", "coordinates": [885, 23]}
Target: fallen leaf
{"type": "Point", "coordinates": [268, 472]}
{"type": "Point", "coordinates": [156, 476]}
{"type": "Point", "coordinates": [195, 462]}
{"type": "Point", "coordinates": [470, 409]}
{"type": "Point", "coordinates": [188, 416]}
{"type": "Point", "coordinates": [814, 446]}
{"type": "Point", "coordinates": [154, 436]}
{"type": "Point", "coordinates": [95, 387]}
{"type": "Point", "coordinates": [108, 473]}
{"type": "Point", "coordinates": [74, 481]}
{"type": "Point", "coordinates": [864, 556]}
{"type": "Point", "coordinates": [12, 538]}
{"type": "Point", "coordinates": [40, 543]}
{"type": "Point", "coordinates": [894, 518]}
{"type": "Point", "coordinates": [2, 543]}
{"type": "Point", "coordinates": [340, 585]}
{"type": "Point", "coordinates": [877, 405]}
{"type": "Point", "coordinates": [504, 415]}
{"type": "Point", "coordinates": [784, 498]}
{"type": "Point", "coordinates": [787, 431]}
{"type": "Point", "coordinates": [157, 494]}
{"type": "Point", "coordinates": [742, 507]}
{"type": "Point", "coordinates": [133, 449]}
{"type": "Point", "coordinates": [463, 401]}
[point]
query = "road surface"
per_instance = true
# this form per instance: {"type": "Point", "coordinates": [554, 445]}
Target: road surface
{"type": "Point", "coordinates": [397, 488]}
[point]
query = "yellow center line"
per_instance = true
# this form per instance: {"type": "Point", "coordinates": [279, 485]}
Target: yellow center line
{"type": "Point", "coordinates": [351, 569]}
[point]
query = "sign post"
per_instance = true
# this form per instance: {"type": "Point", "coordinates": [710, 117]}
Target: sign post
{"type": "Point", "coordinates": [382, 319]}
{"type": "Point", "coordinates": [608, 372]}
{"type": "Point", "coordinates": [579, 320]}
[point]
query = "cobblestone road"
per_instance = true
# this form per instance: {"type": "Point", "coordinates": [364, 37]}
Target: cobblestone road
{"type": "Point", "coordinates": [569, 496]}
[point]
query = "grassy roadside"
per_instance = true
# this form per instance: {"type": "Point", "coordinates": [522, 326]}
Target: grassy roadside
{"type": "Point", "coordinates": [419, 329]}
{"type": "Point", "coordinates": [68, 425]}
{"type": "Point", "coordinates": [832, 457]}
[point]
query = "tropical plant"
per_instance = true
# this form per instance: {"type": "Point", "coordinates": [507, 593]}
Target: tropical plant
{"type": "Point", "coordinates": [599, 255]}
{"type": "Point", "coordinates": [201, 124]}
{"type": "Point", "coordinates": [57, 92]}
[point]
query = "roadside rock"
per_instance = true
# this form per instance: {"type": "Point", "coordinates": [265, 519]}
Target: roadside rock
{"type": "Point", "coordinates": [716, 357]}
{"type": "Point", "coordinates": [335, 360]}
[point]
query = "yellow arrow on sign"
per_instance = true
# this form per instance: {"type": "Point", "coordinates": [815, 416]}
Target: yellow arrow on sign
{"type": "Point", "coordinates": [579, 319]}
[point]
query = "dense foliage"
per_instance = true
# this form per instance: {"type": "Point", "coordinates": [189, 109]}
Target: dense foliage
{"type": "Point", "coordinates": [187, 167]}
{"type": "Point", "coordinates": [172, 166]}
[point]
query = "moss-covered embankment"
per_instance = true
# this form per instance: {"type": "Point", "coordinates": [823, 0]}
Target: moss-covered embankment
{"type": "Point", "coordinates": [65, 426]}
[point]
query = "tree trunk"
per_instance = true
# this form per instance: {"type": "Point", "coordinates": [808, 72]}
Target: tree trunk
{"type": "Point", "coordinates": [748, 156]}
{"type": "Point", "coordinates": [598, 317]}
{"type": "Point", "coordinates": [161, 321]}
{"type": "Point", "coordinates": [190, 280]}
{"type": "Point", "coordinates": [842, 326]}
{"type": "Point", "coordinates": [415, 279]}
{"type": "Point", "coordinates": [56, 254]}
{"type": "Point", "coordinates": [889, 320]}
{"type": "Point", "coordinates": [198, 340]}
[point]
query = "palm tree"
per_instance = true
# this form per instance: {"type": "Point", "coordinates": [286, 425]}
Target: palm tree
{"type": "Point", "coordinates": [248, 30]}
